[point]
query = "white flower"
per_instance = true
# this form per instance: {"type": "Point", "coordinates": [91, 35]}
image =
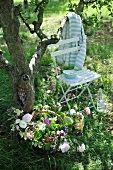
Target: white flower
{"type": "Point", "coordinates": [48, 91]}
{"type": "Point", "coordinates": [17, 121]}
{"type": "Point", "coordinates": [13, 128]}
{"type": "Point", "coordinates": [35, 144]}
{"type": "Point", "coordinates": [27, 117]}
{"type": "Point", "coordinates": [72, 111]}
{"type": "Point", "coordinates": [58, 104]}
{"type": "Point", "coordinates": [81, 148]}
{"type": "Point", "coordinates": [58, 132]}
{"type": "Point", "coordinates": [17, 127]}
{"type": "Point", "coordinates": [42, 126]}
{"type": "Point", "coordinates": [23, 124]}
{"type": "Point", "coordinates": [65, 147]}
{"type": "Point", "coordinates": [46, 107]}
{"type": "Point", "coordinates": [62, 131]}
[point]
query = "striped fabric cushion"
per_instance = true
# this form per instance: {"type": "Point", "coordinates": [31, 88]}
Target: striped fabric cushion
{"type": "Point", "coordinates": [74, 28]}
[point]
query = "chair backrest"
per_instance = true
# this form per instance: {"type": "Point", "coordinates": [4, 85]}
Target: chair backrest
{"type": "Point", "coordinates": [71, 26]}
{"type": "Point", "coordinates": [69, 46]}
{"type": "Point", "coordinates": [64, 49]}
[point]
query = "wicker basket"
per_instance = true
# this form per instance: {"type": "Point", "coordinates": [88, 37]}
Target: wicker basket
{"type": "Point", "coordinates": [52, 113]}
{"type": "Point", "coordinates": [35, 113]}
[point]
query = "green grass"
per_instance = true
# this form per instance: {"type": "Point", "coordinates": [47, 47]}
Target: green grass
{"type": "Point", "coordinates": [98, 136]}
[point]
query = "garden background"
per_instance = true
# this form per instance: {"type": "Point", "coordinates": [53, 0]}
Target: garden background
{"type": "Point", "coordinates": [98, 132]}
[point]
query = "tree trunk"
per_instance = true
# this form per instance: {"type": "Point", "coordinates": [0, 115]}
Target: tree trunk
{"type": "Point", "coordinates": [22, 80]}
{"type": "Point", "coordinates": [23, 92]}
{"type": "Point", "coordinates": [21, 72]}
{"type": "Point", "coordinates": [79, 8]}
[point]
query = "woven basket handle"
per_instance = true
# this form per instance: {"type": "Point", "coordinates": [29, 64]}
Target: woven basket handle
{"type": "Point", "coordinates": [35, 113]}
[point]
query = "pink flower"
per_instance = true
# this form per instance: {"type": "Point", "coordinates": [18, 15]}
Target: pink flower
{"type": "Point", "coordinates": [29, 134]}
{"type": "Point", "coordinates": [87, 110]}
{"type": "Point", "coordinates": [27, 117]}
{"type": "Point", "coordinates": [81, 148]}
{"type": "Point", "coordinates": [65, 147]}
{"type": "Point", "coordinates": [53, 86]}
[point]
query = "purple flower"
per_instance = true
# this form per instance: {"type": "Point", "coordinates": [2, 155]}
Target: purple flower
{"type": "Point", "coordinates": [53, 86]}
{"type": "Point", "coordinates": [9, 109]}
{"type": "Point", "coordinates": [65, 128]}
{"type": "Point", "coordinates": [9, 114]}
{"type": "Point", "coordinates": [47, 121]}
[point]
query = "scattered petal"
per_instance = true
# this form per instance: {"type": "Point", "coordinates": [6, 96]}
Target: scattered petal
{"type": "Point", "coordinates": [87, 110]}
{"type": "Point", "coordinates": [81, 148]}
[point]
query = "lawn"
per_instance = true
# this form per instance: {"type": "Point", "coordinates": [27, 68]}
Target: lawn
{"type": "Point", "coordinates": [97, 135]}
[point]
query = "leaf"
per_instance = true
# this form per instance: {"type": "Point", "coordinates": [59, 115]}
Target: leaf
{"type": "Point", "coordinates": [47, 146]}
{"type": "Point", "coordinates": [68, 120]}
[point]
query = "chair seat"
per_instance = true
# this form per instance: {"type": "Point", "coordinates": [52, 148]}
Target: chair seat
{"type": "Point", "coordinates": [83, 76]}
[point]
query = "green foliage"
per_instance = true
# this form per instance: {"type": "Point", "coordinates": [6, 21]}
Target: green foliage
{"type": "Point", "coordinates": [91, 12]}
{"type": "Point", "coordinates": [16, 154]}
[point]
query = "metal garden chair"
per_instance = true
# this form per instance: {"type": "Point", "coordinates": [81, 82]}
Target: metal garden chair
{"type": "Point", "coordinates": [84, 77]}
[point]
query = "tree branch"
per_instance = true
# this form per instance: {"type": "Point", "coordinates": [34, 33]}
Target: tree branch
{"type": "Point", "coordinates": [43, 2]}
{"type": "Point", "coordinates": [37, 24]}
{"type": "Point", "coordinates": [90, 2]}
{"type": "Point", "coordinates": [64, 20]}
{"type": "Point", "coordinates": [30, 29]}
{"type": "Point", "coordinates": [80, 7]}
{"type": "Point", "coordinates": [41, 48]}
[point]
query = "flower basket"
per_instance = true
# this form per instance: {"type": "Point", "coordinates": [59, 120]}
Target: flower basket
{"type": "Point", "coordinates": [42, 129]}
{"type": "Point", "coordinates": [47, 130]}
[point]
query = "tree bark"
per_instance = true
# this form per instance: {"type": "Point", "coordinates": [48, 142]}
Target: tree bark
{"type": "Point", "coordinates": [25, 4]}
{"type": "Point", "coordinates": [23, 85]}
{"type": "Point", "coordinates": [21, 72]}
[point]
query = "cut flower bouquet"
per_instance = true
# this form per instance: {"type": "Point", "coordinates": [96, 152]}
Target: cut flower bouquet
{"type": "Point", "coordinates": [48, 130]}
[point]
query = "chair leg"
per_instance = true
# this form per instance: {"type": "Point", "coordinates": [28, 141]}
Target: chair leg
{"type": "Point", "coordinates": [86, 86]}
{"type": "Point", "coordinates": [91, 98]}
{"type": "Point", "coordinates": [64, 96]}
